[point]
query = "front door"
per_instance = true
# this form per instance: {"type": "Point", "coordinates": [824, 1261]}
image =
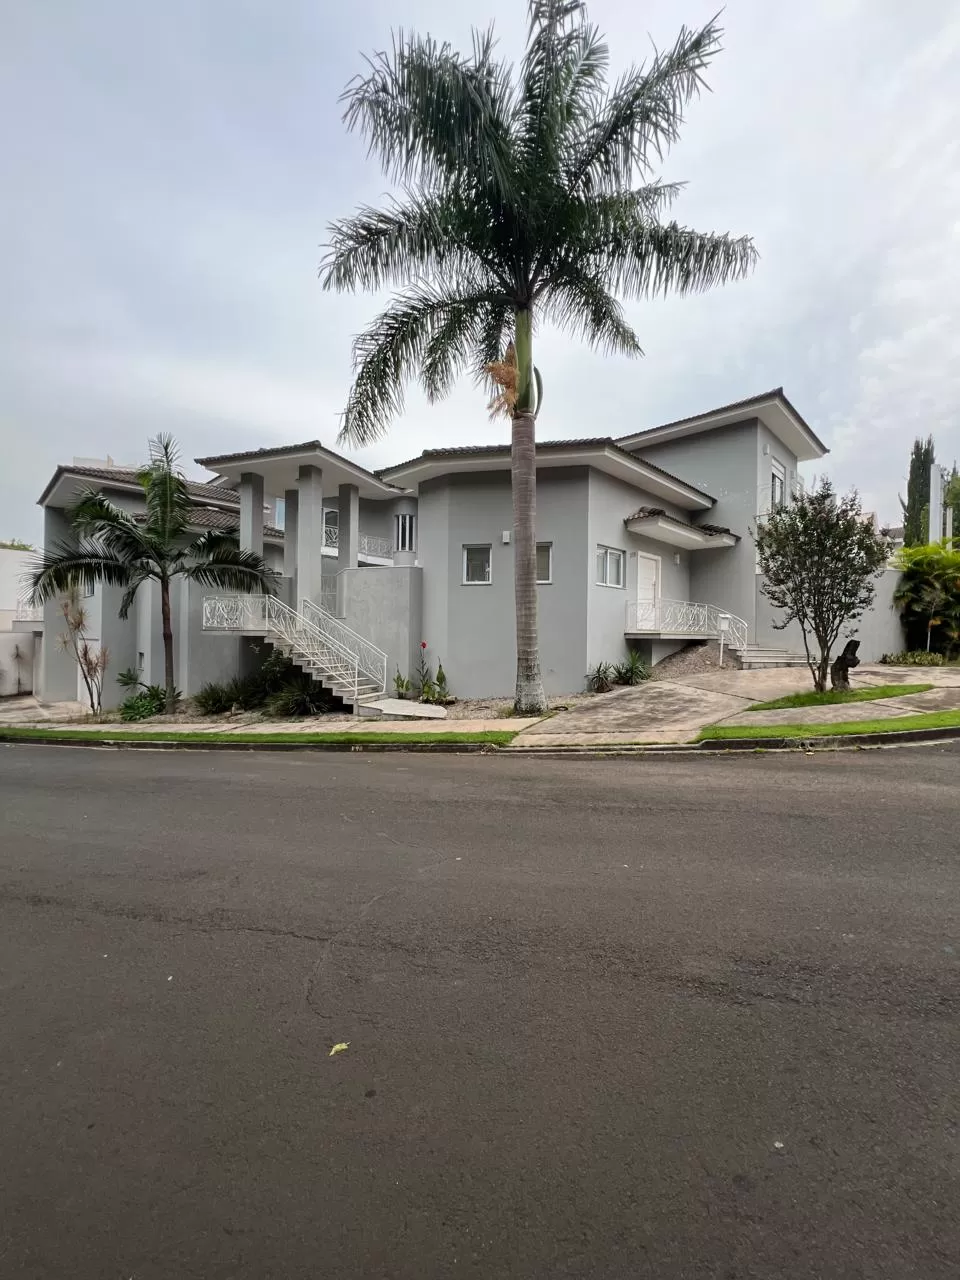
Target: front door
{"type": "Point", "coordinates": [648, 592]}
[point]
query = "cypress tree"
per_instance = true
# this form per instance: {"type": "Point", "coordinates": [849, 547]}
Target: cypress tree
{"type": "Point", "coordinates": [917, 505]}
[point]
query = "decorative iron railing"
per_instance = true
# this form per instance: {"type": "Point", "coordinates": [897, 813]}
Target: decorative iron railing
{"type": "Point", "coordinates": [329, 660]}
{"type": "Point", "coordinates": [28, 612]}
{"type": "Point", "coordinates": [368, 544]}
{"type": "Point", "coordinates": [686, 618]}
{"type": "Point", "coordinates": [372, 661]}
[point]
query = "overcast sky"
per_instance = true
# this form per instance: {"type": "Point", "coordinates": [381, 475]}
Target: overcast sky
{"type": "Point", "coordinates": [167, 172]}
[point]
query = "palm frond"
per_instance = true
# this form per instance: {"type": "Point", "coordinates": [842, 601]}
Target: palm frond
{"type": "Point", "coordinates": [666, 258]}
{"type": "Point", "coordinates": [394, 350]}
{"type": "Point", "coordinates": [561, 81]}
{"type": "Point", "coordinates": [212, 542]}
{"type": "Point", "coordinates": [231, 568]}
{"type": "Point", "coordinates": [430, 114]}
{"type": "Point", "coordinates": [94, 516]}
{"type": "Point", "coordinates": [67, 567]}
{"type": "Point", "coordinates": [166, 494]}
{"type": "Point", "coordinates": [424, 237]}
{"type": "Point", "coordinates": [579, 302]}
{"type": "Point", "coordinates": [136, 582]}
{"type": "Point", "coordinates": [641, 117]}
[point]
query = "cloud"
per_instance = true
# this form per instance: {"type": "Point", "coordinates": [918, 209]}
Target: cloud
{"type": "Point", "coordinates": [168, 175]}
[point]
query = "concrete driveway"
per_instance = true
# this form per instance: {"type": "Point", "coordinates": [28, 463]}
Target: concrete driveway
{"type": "Point", "coordinates": [665, 711]}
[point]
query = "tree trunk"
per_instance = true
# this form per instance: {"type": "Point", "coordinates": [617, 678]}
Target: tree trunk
{"type": "Point", "coordinates": [530, 699]}
{"type": "Point", "coordinates": [167, 645]}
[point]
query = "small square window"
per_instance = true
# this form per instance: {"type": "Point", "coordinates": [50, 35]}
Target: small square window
{"type": "Point", "coordinates": [544, 562]}
{"type": "Point", "coordinates": [476, 566]}
{"type": "Point", "coordinates": [609, 567]}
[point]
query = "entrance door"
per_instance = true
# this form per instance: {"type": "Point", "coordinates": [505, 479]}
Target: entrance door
{"type": "Point", "coordinates": [648, 592]}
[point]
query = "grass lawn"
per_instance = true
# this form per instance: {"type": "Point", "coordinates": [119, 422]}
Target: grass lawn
{"type": "Point", "coordinates": [895, 724]}
{"type": "Point", "coordinates": [494, 737]}
{"type": "Point", "coordinates": [812, 699]}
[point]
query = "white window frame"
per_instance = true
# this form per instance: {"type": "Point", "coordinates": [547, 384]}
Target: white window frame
{"type": "Point", "coordinates": [547, 581]}
{"type": "Point", "coordinates": [604, 581]}
{"type": "Point", "coordinates": [405, 531]}
{"type": "Point", "coordinates": [478, 546]}
{"type": "Point", "coordinates": [778, 475]}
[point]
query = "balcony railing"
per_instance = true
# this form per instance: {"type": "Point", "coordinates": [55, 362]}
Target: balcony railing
{"type": "Point", "coordinates": [28, 612]}
{"type": "Point", "coordinates": [685, 618]}
{"type": "Point", "coordinates": [368, 544]}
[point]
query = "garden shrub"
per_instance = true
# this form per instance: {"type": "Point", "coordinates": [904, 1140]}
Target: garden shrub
{"type": "Point", "coordinates": [914, 658]}
{"type": "Point", "coordinates": [148, 701]}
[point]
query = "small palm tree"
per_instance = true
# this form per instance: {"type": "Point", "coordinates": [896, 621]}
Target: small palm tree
{"type": "Point", "coordinates": [519, 204]}
{"type": "Point", "coordinates": [113, 547]}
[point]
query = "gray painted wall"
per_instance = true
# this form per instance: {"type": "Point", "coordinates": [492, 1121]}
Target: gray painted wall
{"type": "Point", "coordinates": [724, 463]}
{"type": "Point", "coordinates": [472, 628]}
{"type": "Point", "coordinates": [879, 630]}
{"type": "Point", "coordinates": [58, 667]}
{"type": "Point", "coordinates": [611, 502]}
{"type": "Point", "coordinates": [24, 642]}
{"type": "Point", "coordinates": [384, 604]}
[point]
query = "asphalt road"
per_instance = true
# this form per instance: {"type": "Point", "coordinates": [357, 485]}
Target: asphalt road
{"type": "Point", "coordinates": [687, 1018]}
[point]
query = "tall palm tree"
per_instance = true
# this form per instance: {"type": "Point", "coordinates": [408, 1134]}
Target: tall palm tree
{"type": "Point", "coordinates": [518, 204]}
{"type": "Point", "coordinates": [113, 547]}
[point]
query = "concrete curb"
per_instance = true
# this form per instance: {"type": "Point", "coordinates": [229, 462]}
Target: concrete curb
{"type": "Point", "coordinates": [712, 746]}
{"type": "Point", "coordinates": [115, 744]}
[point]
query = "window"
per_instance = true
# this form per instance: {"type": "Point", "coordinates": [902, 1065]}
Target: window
{"type": "Point", "coordinates": [476, 566]}
{"type": "Point", "coordinates": [609, 567]}
{"type": "Point", "coordinates": [778, 486]}
{"type": "Point", "coordinates": [331, 517]}
{"type": "Point", "coordinates": [405, 532]}
{"type": "Point", "coordinates": [544, 562]}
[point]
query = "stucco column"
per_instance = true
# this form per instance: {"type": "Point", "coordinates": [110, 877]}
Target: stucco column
{"type": "Point", "coordinates": [291, 520]}
{"type": "Point", "coordinates": [349, 535]}
{"type": "Point", "coordinates": [404, 507]}
{"type": "Point", "coordinates": [309, 533]}
{"type": "Point", "coordinates": [251, 512]}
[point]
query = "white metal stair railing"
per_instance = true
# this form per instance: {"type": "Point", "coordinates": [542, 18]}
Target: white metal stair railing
{"type": "Point", "coordinates": [686, 618]}
{"type": "Point", "coordinates": [372, 661]}
{"type": "Point", "coordinates": [326, 659]}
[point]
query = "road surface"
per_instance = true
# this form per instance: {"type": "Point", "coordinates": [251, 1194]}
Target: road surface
{"type": "Point", "coordinates": [693, 1018]}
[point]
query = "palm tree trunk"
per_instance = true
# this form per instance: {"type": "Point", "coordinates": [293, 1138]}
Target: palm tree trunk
{"type": "Point", "coordinates": [530, 699]}
{"type": "Point", "coordinates": [167, 644]}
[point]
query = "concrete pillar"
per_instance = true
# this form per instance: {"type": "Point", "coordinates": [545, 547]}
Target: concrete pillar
{"type": "Point", "coordinates": [349, 535]}
{"type": "Point", "coordinates": [404, 507]}
{"type": "Point", "coordinates": [251, 512]}
{"type": "Point", "coordinates": [291, 521]}
{"type": "Point", "coordinates": [310, 533]}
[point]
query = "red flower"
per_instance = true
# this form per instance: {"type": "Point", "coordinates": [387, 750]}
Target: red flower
{"type": "Point", "coordinates": [423, 644]}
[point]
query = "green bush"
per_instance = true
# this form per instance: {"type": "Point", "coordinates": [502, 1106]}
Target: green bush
{"type": "Point", "coordinates": [150, 701]}
{"type": "Point", "coordinates": [914, 658]}
{"type": "Point", "coordinates": [213, 699]}
{"type": "Point", "coordinates": [300, 696]}
{"type": "Point", "coordinates": [633, 671]}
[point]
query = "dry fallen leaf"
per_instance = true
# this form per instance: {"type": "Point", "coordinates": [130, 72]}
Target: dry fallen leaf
{"type": "Point", "coordinates": [339, 1048]}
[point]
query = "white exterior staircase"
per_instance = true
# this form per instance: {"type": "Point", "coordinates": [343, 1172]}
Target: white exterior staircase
{"type": "Point", "coordinates": [759, 657]}
{"type": "Point", "coordinates": [339, 659]}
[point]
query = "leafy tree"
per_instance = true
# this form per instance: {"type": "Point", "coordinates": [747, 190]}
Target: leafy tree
{"type": "Point", "coordinates": [820, 559]}
{"type": "Point", "coordinates": [928, 596]}
{"type": "Point", "coordinates": [16, 544]}
{"type": "Point", "coordinates": [917, 506]}
{"type": "Point", "coordinates": [527, 196]}
{"type": "Point", "coordinates": [113, 547]}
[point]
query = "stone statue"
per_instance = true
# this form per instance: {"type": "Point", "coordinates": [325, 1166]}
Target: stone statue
{"type": "Point", "coordinates": [840, 670]}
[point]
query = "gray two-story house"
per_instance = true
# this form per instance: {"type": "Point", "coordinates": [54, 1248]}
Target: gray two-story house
{"type": "Point", "coordinates": [642, 541]}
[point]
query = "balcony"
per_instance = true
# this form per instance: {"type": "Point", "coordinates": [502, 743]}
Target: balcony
{"type": "Point", "coordinates": [27, 617]}
{"type": "Point", "coordinates": [368, 544]}
{"type": "Point", "coordinates": [684, 620]}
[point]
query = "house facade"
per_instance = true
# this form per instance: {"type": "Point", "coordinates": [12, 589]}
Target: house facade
{"type": "Point", "coordinates": [643, 541]}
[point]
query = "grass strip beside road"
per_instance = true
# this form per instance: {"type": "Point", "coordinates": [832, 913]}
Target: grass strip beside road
{"type": "Point", "coordinates": [493, 737]}
{"type": "Point", "coordinates": [833, 696]}
{"type": "Point", "coordinates": [890, 724]}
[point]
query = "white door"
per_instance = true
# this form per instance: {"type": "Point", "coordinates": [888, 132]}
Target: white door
{"type": "Point", "coordinates": [648, 592]}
